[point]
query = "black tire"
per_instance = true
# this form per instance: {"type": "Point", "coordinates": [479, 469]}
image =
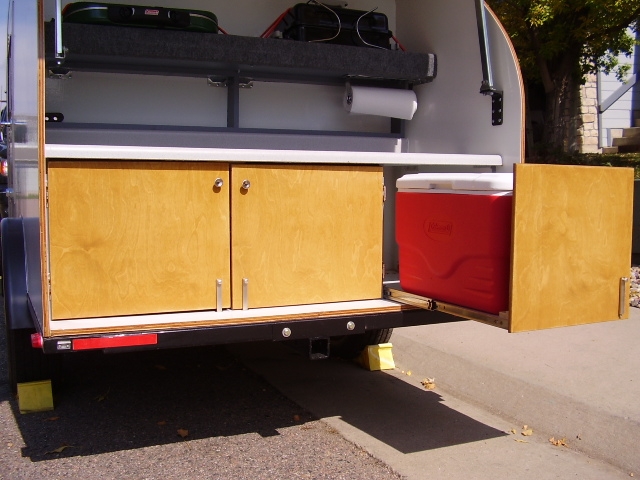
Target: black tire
{"type": "Point", "coordinates": [1, 269]}
{"type": "Point", "coordinates": [25, 363]}
{"type": "Point", "coordinates": [350, 346]}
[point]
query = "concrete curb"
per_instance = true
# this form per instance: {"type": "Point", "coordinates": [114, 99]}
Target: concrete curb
{"type": "Point", "coordinates": [588, 429]}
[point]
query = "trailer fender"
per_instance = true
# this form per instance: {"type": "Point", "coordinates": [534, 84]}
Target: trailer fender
{"type": "Point", "coordinates": [14, 275]}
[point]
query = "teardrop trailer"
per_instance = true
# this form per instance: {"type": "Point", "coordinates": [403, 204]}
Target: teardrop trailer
{"type": "Point", "coordinates": [171, 185]}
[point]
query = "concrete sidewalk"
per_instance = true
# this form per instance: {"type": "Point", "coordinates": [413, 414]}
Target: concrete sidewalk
{"type": "Point", "coordinates": [579, 383]}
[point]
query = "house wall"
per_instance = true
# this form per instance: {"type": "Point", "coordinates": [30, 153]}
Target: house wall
{"type": "Point", "coordinates": [588, 128]}
{"type": "Point", "coordinates": [620, 114]}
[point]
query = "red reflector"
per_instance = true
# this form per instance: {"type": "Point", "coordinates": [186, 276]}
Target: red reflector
{"type": "Point", "coordinates": [115, 342]}
{"type": "Point", "coordinates": [36, 340]}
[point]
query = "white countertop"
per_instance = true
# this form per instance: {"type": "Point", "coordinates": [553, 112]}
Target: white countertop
{"type": "Point", "coordinates": [110, 152]}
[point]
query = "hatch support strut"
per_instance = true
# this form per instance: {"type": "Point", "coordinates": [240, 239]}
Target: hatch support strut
{"type": "Point", "coordinates": [58, 21]}
{"type": "Point", "coordinates": [487, 87]}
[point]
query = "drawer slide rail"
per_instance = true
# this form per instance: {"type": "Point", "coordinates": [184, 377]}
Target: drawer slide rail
{"type": "Point", "coordinates": [400, 296]}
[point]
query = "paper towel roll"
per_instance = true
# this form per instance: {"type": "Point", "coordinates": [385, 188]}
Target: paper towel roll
{"type": "Point", "coordinates": [386, 102]}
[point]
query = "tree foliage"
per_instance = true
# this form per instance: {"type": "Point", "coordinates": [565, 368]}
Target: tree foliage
{"type": "Point", "coordinates": [559, 41]}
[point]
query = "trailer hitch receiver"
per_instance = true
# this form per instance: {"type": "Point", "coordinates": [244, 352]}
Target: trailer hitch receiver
{"type": "Point", "coordinates": [319, 348]}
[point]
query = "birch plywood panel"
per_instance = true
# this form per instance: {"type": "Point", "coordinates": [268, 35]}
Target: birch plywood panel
{"type": "Point", "coordinates": [306, 235]}
{"type": "Point", "coordinates": [137, 237]}
{"type": "Point", "coordinates": [571, 244]}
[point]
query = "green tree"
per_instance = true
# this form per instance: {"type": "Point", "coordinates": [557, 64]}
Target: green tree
{"type": "Point", "coordinates": [560, 41]}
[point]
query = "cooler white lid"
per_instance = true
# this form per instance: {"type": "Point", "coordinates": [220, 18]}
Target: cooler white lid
{"type": "Point", "coordinates": [456, 181]}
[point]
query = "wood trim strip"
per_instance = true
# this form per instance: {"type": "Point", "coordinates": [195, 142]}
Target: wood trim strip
{"type": "Point", "coordinates": [42, 178]}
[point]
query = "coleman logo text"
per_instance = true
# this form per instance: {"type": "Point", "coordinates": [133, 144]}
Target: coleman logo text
{"type": "Point", "coordinates": [441, 228]}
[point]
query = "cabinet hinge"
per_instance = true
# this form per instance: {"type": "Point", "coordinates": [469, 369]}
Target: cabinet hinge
{"type": "Point", "coordinates": [624, 299]}
{"type": "Point", "coordinates": [46, 191]}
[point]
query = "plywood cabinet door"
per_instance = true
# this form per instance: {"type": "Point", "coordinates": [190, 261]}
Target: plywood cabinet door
{"type": "Point", "coordinates": [306, 234]}
{"type": "Point", "coordinates": [137, 237]}
{"type": "Point", "coordinates": [571, 245]}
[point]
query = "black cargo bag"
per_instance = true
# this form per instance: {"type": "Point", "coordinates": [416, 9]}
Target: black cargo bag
{"type": "Point", "coordinates": [318, 23]}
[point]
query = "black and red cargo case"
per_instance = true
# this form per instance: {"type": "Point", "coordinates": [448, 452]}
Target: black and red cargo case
{"type": "Point", "coordinates": [140, 16]}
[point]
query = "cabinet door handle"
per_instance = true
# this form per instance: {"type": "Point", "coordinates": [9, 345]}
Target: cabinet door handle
{"type": "Point", "coordinates": [246, 184]}
{"type": "Point", "coordinates": [218, 183]}
{"type": "Point", "coordinates": [218, 295]}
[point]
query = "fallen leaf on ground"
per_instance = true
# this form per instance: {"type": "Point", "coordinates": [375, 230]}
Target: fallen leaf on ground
{"type": "Point", "coordinates": [513, 431]}
{"type": "Point", "coordinates": [429, 383]}
{"type": "Point", "coordinates": [527, 432]}
{"type": "Point", "coordinates": [101, 398]}
{"type": "Point", "coordinates": [520, 441]}
{"type": "Point", "coordinates": [296, 418]}
{"type": "Point", "coordinates": [162, 422]}
{"type": "Point", "coordinates": [409, 373]}
{"type": "Point", "coordinates": [59, 449]}
{"type": "Point", "coordinates": [561, 442]}
{"type": "Point", "coordinates": [183, 433]}
{"type": "Point", "coordinates": [9, 444]}
{"type": "Point", "coordinates": [52, 419]}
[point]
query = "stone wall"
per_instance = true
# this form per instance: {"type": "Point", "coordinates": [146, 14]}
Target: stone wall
{"type": "Point", "coordinates": [588, 117]}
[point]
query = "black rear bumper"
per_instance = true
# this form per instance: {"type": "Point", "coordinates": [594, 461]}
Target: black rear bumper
{"type": "Point", "coordinates": [272, 331]}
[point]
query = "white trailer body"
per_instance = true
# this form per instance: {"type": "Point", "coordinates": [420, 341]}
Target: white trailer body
{"type": "Point", "coordinates": [174, 188]}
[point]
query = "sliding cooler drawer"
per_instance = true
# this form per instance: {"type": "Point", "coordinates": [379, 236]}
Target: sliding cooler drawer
{"type": "Point", "coordinates": [567, 239]}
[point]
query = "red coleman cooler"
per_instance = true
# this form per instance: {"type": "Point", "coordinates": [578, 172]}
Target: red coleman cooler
{"type": "Point", "coordinates": [454, 237]}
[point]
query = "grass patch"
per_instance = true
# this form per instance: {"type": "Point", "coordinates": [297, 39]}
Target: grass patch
{"type": "Point", "coordinates": [631, 160]}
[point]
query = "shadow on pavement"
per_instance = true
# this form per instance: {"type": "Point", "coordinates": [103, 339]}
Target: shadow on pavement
{"type": "Point", "coordinates": [106, 403]}
{"type": "Point", "coordinates": [406, 418]}
{"type": "Point", "coordinates": [113, 402]}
